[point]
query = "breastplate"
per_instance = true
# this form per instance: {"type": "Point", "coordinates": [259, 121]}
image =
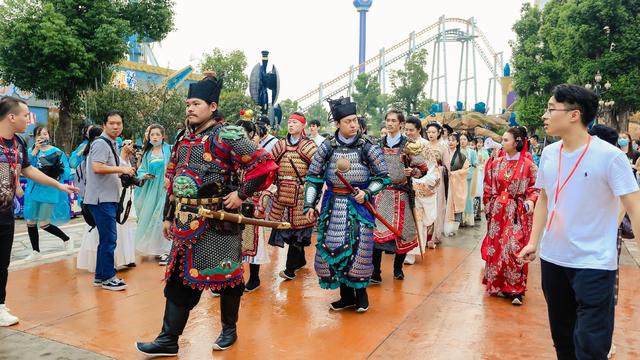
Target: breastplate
{"type": "Point", "coordinates": [395, 164]}
{"type": "Point", "coordinates": [358, 173]}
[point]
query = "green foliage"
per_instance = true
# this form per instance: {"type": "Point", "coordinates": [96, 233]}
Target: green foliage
{"type": "Point", "coordinates": [58, 49]}
{"type": "Point", "coordinates": [367, 94]}
{"type": "Point", "coordinates": [318, 112]}
{"type": "Point", "coordinates": [567, 43]}
{"type": "Point", "coordinates": [408, 83]}
{"type": "Point", "coordinates": [230, 65]}
{"type": "Point", "coordinates": [141, 108]}
{"type": "Point", "coordinates": [529, 110]}
{"type": "Point", "coordinates": [231, 102]}
{"type": "Point", "coordinates": [289, 106]}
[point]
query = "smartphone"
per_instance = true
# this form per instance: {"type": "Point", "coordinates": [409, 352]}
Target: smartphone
{"type": "Point", "coordinates": [45, 142]}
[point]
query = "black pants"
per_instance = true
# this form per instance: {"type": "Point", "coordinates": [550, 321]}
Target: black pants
{"type": "Point", "coordinates": [580, 303]}
{"type": "Point", "coordinates": [6, 242]}
{"type": "Point", "coordinates": [184, 296]}
{"type": "Point", "coordinates": [295, 257]}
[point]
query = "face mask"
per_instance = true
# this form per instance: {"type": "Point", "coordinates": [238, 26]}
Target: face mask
{"type": "Point", "coordinates": [155, 142]}
{"type": "Point", "coordinates": [623, 142]}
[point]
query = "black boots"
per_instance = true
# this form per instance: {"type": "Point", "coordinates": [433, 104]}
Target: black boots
{"type": "Point", "coordinates": [398, 260]}
{"type": "Point", "coordinates": [254, 278]}
{"type": "Point", "coordinates": [295, 261]}
{"type": "Point", "coordinates": [376, 277]}
{"type": "Point", "coordinates": [229, 307]}
{"type": "Point", "coordinates": [362, 300]}
{"type": "Point", "coordinates": [166, 344]}
{"type": "Point", "coordinates": [347, 299]}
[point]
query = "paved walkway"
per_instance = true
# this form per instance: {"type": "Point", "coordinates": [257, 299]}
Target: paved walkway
{"type": "Point", "coordinates": [440, 311]}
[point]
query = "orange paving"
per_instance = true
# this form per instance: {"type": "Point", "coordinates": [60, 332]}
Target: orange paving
{"type": "Point", "coordinates": [439, 311]}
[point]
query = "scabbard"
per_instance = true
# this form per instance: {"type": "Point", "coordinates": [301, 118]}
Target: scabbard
{"type": "Point", "coordinates": [229, 217]}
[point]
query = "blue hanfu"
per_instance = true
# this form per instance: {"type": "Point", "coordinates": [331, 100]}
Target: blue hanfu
{"type": "Point", "coordinates": [43, 203]}
{"type": "Point", "coordinates": [149, 203]}
{"type": "Point", "coordinates": [469, 214]}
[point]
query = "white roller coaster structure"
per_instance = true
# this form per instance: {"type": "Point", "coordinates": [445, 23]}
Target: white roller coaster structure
{"type": "Point", "coordinates": [473, 42]}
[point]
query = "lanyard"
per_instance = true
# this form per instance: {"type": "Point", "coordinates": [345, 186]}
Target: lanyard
{"type": "Point", "coordinates": [560, 188]}
{"type": "Point", "coordinates": [13, 165]}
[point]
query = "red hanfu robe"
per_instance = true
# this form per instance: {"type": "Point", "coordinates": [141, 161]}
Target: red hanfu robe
{"type": "Point", "coordinates": [508, 224]}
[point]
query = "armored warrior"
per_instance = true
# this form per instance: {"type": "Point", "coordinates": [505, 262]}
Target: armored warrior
{"type": "Point", "coordinates": [397, 201]}
{"type": "Point", "coordinates": [354, 170]}
{"type": "Point", "coordinates": [203, 179]}
{"type": "Point", "coordinates": [293, 156]}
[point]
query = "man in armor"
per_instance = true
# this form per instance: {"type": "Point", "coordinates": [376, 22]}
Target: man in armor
{"type": "Point", "coordinates": [354, 170]}
{"type": "Point", "coordinates": [206, 253]}
{"type": "Point", "coordinates": [397, 201]}
{"type": "Point", "coordinates": [293, 155]}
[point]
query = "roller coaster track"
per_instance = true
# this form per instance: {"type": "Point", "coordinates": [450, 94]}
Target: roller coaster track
{"type": "Point", "coordinates": [402, 50]}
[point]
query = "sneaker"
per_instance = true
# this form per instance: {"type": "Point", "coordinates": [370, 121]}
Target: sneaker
{"type": "Point", "coordinates": [612, 351]}
{"type": "Point", "coordinates": [516, 300]}
{"type": "Point", "coordinates": [68, 246]}
{"type": "Point", "coordinates": [164, 260]}
{"type": "Point", "coordinates": [35, 255]}
{"type": "Point", "coordinates": [375, 279]}
{"type": "Point", "coordinates": [114, 284]}
{"type": "Point", "coordinates": [6, 319]}
{"type": "Point", "coordinates": [410, 259]}
{"type": "Point", "coordinates": [97, 282]}
{"type": "Point", "coordinates": [287, 275]}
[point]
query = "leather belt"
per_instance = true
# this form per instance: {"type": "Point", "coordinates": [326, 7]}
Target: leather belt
{"type": "Point", "coordinates": [199, 201]}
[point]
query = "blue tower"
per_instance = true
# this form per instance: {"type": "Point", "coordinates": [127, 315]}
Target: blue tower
{"type": "Point", "coordinates": [362, 6]}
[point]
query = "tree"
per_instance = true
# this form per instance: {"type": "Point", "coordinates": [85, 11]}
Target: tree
{"type": "Point", "coordinates": [408, 83]}
{"type": "Point", "coordinates": [141, 108]}
{"type": "Point", "coordinates": [288, 106]}
{"type": "Point", "coordinates": [318, 112]}
{"type": "Point", "coordinates": [568, 42]}
{"type": "Point", "coordinates": [231, 67]}
{"type": "Point", "coordinates": [58, 49]}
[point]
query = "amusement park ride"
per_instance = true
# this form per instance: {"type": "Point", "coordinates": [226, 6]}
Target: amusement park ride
{"type": "Point", "coordinates": [466, 32]}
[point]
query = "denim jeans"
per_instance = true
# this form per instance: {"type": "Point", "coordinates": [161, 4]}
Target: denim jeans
{"type": "Point", "coordinates": [105, 217]}
{"type": "Point", "coordinates": [580, 304]}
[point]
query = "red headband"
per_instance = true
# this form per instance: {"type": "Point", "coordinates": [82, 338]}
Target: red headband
{"type": "Point", "coordinates": [298, 117]}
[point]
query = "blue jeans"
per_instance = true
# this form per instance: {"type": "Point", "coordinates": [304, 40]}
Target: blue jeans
{"type": "Point", "coordinates": [105, 217]}
{"type": "Point", "coordinates": [580, 304]}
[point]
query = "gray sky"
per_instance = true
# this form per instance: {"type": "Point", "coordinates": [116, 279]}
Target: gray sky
{"type": "Point", "coordinates": [314, 41]}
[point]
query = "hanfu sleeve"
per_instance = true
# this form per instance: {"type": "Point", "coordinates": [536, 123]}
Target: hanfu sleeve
{"type": "Point", "coordinates": [532, 192]}
{"type": "Point", "coordinates": [490, 191]}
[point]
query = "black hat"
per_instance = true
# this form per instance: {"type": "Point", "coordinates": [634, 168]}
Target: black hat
{"type": "Point", "coordinates": [341, 108]}
{"type": "Point", "coordinates": [207, 89]}
{"type": "Point", "coordinates": [263, 120]}
{"type": "Point", "coordinates": [605, 133]}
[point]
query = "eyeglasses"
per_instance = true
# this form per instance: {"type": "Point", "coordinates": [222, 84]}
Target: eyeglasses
{"type": "Point", "coordinates": [550, 110]}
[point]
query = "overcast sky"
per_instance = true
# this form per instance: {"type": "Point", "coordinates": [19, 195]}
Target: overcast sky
{"type": "Point", "coordinates": [314, 41]}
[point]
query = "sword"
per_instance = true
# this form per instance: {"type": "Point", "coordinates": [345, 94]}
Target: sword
{"type": "Point", "coordinates": [229, 217]}
{"type": "Point", "coordinates": [344, 167]}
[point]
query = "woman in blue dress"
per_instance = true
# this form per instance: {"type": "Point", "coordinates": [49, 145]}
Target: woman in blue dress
{"type": "Point", "coordinates": [44, 204]}
{"type": "Point", "coordinates": [149, 199]}
{"type": "Point", "coordinates": [468, 218]}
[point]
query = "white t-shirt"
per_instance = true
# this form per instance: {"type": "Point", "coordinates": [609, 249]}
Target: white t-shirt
{"type": "Point", "coordinates": [319, 139]}
{"type": "Point", "coordinates": [583, 234]}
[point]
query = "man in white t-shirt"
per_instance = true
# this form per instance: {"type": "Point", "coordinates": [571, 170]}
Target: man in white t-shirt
{"type": "Point", "coordinates": [578, 224]}
{"type": "Point", "coordinates": [314, 128]}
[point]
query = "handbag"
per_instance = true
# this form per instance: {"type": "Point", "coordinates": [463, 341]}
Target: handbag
{"type": "Point", "coordinates": [51, 165]}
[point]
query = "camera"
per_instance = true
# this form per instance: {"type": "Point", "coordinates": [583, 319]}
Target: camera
{"type": "Point", "coordinates": [128, 180]}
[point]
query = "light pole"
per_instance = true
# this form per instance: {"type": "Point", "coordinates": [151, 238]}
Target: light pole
{"type": "Point", "coordinates": [363, 7]}
{"type": "Point", "coordinates": [604, 107]}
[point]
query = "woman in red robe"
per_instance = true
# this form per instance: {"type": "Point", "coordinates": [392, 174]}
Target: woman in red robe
{"type": "Point", "coordinates": [509, 198]}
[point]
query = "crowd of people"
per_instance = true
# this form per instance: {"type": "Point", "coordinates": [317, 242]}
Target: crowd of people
{"type": "Point", "coordinates": [203, 206]}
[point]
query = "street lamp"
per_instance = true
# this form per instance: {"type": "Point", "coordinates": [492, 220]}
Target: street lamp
{"type": "Point", "coordinates": [604, 107]}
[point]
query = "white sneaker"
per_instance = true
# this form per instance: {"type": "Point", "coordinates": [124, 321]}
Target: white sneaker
{"type": "Point", "coordinates": [35, 255]}
{"type": "Point", "coordinates": [410, 259]}
{"type": "Point", "coordinates": [6, 319]}
{"type": "Point", "coordinates": [68, 246]}
{"type": "Point", "coordinates": [612, 351]}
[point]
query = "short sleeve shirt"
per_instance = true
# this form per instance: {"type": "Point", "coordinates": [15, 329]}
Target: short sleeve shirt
{"type": "Point", "coordinates": [583, 234]}
{"type": "Point", "coordinates": [18, 159]}
{"type": "Point", "coordinates": [101, 188]}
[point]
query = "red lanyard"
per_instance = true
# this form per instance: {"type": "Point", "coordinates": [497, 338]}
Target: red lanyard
{"type": "Point", "coordinates": [14, 165]}
{"type": "Point", "coordinates": [560, 188]}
